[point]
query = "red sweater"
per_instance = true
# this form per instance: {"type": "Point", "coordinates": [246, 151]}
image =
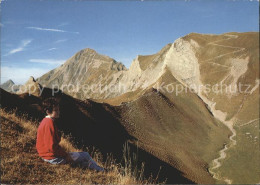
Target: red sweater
{"type": "Point", "coordinates": [48, 140]}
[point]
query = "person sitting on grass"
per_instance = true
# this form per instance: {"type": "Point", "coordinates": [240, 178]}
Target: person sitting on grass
{"type": "Point", "coordinates": [48, 139]}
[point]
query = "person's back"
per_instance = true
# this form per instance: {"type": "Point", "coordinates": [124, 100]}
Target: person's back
{"type": "Point", "coordinates": [48, 140]}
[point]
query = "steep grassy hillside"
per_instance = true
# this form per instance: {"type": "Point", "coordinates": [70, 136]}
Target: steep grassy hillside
{"type": "Point", "coordinates": [228, 59]}
{"type": "Point", "coordinates": [230, 62]}
{"type": "Point", "coordinates": [21, 164]}
{"type": "Point", "coordinates": [97, 125]}
{"type": "Point", "coordinates": [177, 129]}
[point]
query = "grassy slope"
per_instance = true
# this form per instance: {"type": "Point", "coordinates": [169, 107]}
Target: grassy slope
{"type": "Point", "coordinates": [212, 73]}
{"type": "Point", "coordinates": [177, 129]}
{"type": "Point", "coordinates": [242, 162]}
{"type": "Point", "coordinates": [21, 164]}
{"type": "Point", "coordinates": [92, 118]}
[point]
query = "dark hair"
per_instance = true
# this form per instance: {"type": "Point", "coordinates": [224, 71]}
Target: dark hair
{"type": "Point", "coordinates": [49, 104]}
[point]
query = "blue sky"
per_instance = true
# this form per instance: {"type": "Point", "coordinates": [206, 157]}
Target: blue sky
{"type": "Point", "coordinates": [39, 35]}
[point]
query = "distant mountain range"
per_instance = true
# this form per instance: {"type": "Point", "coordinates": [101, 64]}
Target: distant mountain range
{"type": "Point", "coordinates": [194, 105]}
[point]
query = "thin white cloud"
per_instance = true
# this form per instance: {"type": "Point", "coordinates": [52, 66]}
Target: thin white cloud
{"type": "Point", "coordinates": [52, 49]}
{"type": "Point", "coordinates": [61, 40]}
{"type": "Point", "coordinates": [16, 50]}
{"type": "Point", "coordinates": [46, 29]}
{"type": "Point", "coordinates": [51, 29]}
{"type": "Point", "coordinates": [20, 75]}
{"type": "Point", "coordinates": [47, 61]}
{"type": "Point", "coordinates": [20, 48]}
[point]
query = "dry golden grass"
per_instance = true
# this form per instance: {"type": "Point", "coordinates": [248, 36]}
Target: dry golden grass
{"type": "Point", "coordinates": [20, 163]}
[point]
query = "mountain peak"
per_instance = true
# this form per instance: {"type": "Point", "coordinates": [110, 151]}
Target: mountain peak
{"type": "Point", "coordinates": [9, 82]}
{"type": "Point", "coordinates": [86, 66]}
{"type": "Point", "coordinates": [88, 50]}
{"type": "Point", "coordinates": [93, 59]}
{"type": "Point", "coordinates": [10, 86]}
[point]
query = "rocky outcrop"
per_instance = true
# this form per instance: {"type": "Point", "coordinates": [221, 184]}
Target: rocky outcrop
{"type": "Point", "coordinates": [31, 86]}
